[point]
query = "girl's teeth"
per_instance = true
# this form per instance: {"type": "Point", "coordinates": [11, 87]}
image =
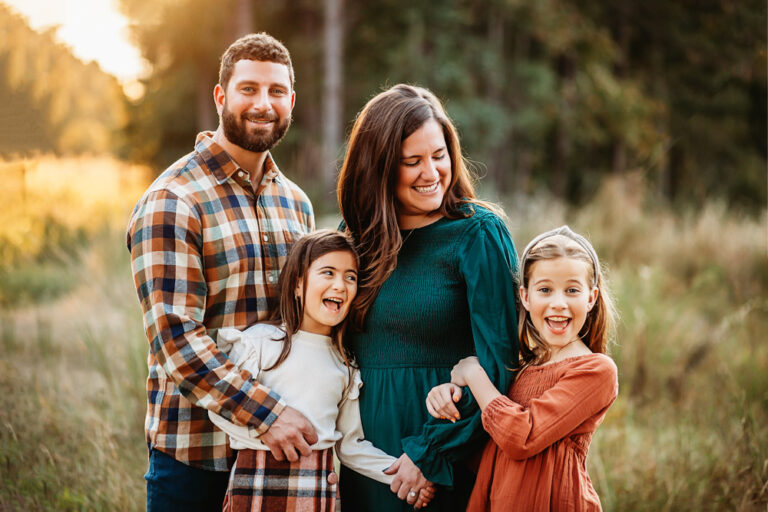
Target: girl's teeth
{"type": "Point", "coordinates": [558, 325]}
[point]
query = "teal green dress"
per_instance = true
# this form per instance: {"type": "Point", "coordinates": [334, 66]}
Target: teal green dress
{"type": "Point", "coordinates": [451, 295]}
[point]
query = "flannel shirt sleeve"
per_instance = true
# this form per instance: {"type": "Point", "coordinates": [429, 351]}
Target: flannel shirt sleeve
{"type": "Point", "coordinates": [165, 242]}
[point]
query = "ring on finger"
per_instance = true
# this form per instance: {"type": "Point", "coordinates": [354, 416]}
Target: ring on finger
{"type": "Point", "coordinates": [412, 494]}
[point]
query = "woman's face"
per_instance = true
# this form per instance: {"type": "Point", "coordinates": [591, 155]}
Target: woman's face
{"type": "Point", "coordinates": [423, 176]}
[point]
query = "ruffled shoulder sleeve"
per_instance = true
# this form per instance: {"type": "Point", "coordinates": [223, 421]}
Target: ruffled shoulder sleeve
{"type": "Point", "coordinates": [352, 392]}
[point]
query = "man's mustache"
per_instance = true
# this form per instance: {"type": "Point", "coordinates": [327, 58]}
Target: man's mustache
{"type": "Point", "coordinates": [266, 116]}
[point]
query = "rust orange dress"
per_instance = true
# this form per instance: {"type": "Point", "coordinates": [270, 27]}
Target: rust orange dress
{"type": "Point", "coordinates": [540, 435]}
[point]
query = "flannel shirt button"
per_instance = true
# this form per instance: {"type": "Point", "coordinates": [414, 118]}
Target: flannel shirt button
{"type": "Point", "coordinates": [266, 237]}
{"type": "Point", "coordinates": [241, 174]}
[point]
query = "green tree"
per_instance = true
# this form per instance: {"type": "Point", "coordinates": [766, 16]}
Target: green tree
{"type": "Point", "coordinates": [553, 93]}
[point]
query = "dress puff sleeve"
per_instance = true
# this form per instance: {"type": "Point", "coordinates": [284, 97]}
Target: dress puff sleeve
{"type": "Point", "coordinates": [352, 449]}
{"type": "Point", "coordinates": [585, 391]}
{"type": "Point", "coordinates": [487, 262]}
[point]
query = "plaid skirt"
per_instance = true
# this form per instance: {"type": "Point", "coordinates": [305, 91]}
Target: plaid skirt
{"type": "Point", "coordinates": [259, 483]}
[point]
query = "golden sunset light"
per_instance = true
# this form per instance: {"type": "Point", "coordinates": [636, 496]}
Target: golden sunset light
{"type": "Point", "coordinates": [95, 30]}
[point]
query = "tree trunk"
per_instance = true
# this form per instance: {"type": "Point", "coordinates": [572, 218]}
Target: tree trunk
{"type": "Point", "coordinates": [243, 18]}
{"type": "Point", "coordinates": [498, 157]}
{"type": "Point", "coordinates": [566, 67]}
{"type": "Point", "coordinates": [206, 119]}
{"type": "Point", "coordinates": [622, 39]}
{"type": "Point", "coordinates": [332, 91]}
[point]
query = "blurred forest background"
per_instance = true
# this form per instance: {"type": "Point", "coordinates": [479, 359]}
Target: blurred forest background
{"type": "Point", "coordinates": [642, 124]}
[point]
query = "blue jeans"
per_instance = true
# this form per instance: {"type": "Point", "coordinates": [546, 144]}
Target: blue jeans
{"type": "Point", "coordinates": [172, 486]}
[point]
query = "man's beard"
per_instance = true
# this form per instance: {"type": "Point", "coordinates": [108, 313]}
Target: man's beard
{"type": "Point", "coordinates": [235, 130]}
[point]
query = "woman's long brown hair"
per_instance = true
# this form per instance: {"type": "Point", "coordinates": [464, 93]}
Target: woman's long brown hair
{"type": "Point", "coordinates": [290, 311]}
{"type": "Point", "coordinates": [369, 174]}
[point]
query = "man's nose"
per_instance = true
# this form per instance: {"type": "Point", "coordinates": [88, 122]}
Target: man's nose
{"type": "Point", "coordinates": [261, 99]}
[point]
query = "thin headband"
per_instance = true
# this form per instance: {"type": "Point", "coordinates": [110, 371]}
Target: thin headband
{"type": "Point", "coordinates": [566, 232]}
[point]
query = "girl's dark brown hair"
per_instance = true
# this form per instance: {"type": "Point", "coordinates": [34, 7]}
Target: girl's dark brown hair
{"type": "Point", "coordinates": [366, 185]}
{"type": "Point", "coordinates": [290, 310]}
{"type": "Point", "coordinates": [596, 331]}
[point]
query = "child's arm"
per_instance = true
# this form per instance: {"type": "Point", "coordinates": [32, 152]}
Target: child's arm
{"type": "Point", "coordinates": [352, 449]}
{"type": "Point", "coordinates": [467, 372]}
{"type": "Point", "coordinates": [360, 455]}
{"type": "Point", "coordinates": [583, 392]}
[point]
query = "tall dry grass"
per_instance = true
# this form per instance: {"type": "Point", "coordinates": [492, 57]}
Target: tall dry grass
{"type": "Point", "coordinates": [73, 365]}
{"type": "Point", "coordinates": [689, 430]}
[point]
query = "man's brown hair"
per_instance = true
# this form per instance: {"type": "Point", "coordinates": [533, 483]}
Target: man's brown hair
{"type": "Point", "coordinates": [262, 47]}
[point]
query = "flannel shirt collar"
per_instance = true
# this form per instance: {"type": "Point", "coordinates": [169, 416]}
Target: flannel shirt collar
{"type": "Point", "coordinates": [221, 165]}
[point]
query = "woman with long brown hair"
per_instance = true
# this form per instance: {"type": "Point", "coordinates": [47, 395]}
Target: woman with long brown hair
{"type": "Point", "coordinates": [437, 285]}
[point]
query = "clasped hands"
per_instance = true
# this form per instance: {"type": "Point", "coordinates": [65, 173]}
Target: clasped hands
{"type": "Point", "coordinates": [409, 483]}
{"type": "Point", "coordinates": [291, 435]}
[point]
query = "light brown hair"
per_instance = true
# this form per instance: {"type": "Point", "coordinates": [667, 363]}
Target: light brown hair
{"type": "Point", "coordinates": [262, 47]}
{"type": "Point", "coordinates": [366, 185]}
{"type": "Point", "coordinates": [290, 311]}
{"type": "Point", "coordinates": [596, 331]}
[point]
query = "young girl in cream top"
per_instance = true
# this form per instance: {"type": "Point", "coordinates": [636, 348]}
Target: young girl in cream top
{"type": "Point", "coordinates": [301, 356]}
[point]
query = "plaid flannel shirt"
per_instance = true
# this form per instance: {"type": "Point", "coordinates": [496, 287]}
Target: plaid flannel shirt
{"type": "Point", "coordinates": [206, 252]}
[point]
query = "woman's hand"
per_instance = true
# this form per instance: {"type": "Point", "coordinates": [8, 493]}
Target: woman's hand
{"type": "Point", "coordinates": [440, 401]}
{"type": "Point", "coordinates": [409, 482]}
{"type": "Point", "coordinates": [464, 369]}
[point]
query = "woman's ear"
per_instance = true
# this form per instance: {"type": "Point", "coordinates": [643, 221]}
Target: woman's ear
{"type": "Point", "coordinates": [524, 298]}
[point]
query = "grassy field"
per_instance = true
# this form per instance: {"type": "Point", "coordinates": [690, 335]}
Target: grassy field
{"type": "Point", "coordinates": [689, 430]}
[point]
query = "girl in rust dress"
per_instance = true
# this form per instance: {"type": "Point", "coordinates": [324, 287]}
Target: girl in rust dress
{"type": "Point", "coordinates": [541, 430]}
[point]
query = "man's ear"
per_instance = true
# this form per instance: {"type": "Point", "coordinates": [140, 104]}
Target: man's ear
{"type": "Point", "coordinates": [218, 98]}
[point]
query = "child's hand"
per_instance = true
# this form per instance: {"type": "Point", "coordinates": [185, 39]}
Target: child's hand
{"type": "Point", "coordinates": [426, 495]}
{"type": "Point", "coordinates": [441, 399]}
{"type": "Point", "coordinates": [461, 373]}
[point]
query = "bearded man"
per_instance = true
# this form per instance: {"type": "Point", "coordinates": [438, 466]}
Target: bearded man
{"type": "Point", "coordinates": [207, 242]}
